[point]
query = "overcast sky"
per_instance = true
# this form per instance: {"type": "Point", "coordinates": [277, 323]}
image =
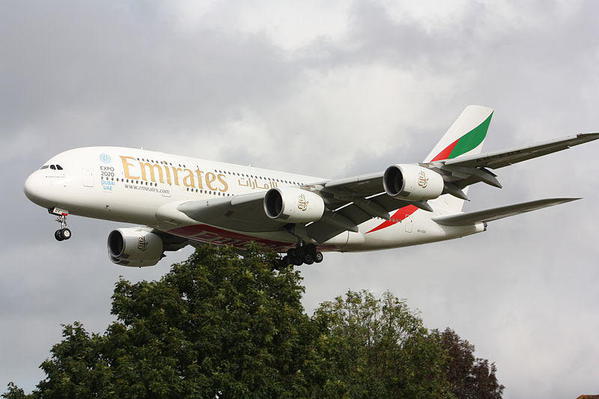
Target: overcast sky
{"type": "Point", "coordinates": [328, 88]}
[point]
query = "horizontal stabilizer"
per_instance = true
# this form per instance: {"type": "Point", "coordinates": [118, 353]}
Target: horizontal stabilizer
{"type": "Point", "coordinates": [464, 219]}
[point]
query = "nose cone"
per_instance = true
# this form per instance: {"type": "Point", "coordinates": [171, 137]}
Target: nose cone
{"type": "Point", "coordinates": [35, 187]}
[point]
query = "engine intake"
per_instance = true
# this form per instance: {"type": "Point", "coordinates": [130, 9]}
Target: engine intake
{"type": "Point", "coordinates": [135, 247]}
{"type": "Point", "coordinates": [412, 182]}
{"type": "Point", "coordinates": [293, 205]}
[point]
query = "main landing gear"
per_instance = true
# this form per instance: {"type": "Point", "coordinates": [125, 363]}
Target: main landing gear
{"type": "Point", "coordinates": [307, 254]}
{"type": "Point", "coordinates": [61, 217]}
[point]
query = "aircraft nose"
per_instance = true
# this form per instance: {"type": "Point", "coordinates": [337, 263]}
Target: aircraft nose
{"type": "Point", "coordinates": [34, 187]}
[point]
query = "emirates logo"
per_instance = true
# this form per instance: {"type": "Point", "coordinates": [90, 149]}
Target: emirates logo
{"type": "Point", "coordinates": [422, 179]}
{"type": "Point", "coordinates": [302, 203]}
{"type": "Point", "coordinates": [142, 244]}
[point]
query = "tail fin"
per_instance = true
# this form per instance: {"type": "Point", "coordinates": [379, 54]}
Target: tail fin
{"type": "Point", "coordinates": [465, 136]}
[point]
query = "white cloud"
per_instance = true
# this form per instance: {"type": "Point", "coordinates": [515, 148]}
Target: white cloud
{"type": "Point", "coordinates": [433, 15]}
{"type": "Point", "coordinates": [288, 24]}
{"type": "Point", "coordinates": [334, 116]}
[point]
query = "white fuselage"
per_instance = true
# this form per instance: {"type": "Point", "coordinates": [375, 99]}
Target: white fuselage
{"type": "Point", "coordinates": [139, 186]}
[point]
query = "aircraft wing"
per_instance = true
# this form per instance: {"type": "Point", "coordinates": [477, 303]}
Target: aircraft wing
{"type": "Point", "coordinates": [241, 212]}
{"type": "Point", "coordinates": [246, 213]}
{"type": "Point", "coordinates": [499, 159]}
{"type": "Point", "coordinates": [461, 171]}
{"type": "Point", "coordinates": [465, 219]}
{"type": "Point", "coordinates": [353, 212]}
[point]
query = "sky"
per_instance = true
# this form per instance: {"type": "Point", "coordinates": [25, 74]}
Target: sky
{"type": "Point", "coordinates": [328, 88]}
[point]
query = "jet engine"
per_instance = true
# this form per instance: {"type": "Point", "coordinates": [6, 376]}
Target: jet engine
{"type": "Point", "coordinates": [293, 205]}
{"type": "Point", "coordinates": [135, 247]}
{"type": "Point", "coordinates": [412, 182]}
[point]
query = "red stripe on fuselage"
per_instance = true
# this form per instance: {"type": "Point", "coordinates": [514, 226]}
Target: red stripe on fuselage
{"type": "Point", "coordinates": [214, 235]}
{"type": "Point", "coordinates": [397, 217]}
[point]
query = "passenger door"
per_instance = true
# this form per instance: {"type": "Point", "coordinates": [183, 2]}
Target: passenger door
{"type": "Point", "coordinates": [88, 177]}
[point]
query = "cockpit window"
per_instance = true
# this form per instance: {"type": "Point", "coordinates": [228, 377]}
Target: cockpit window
{"type": "Point", "coordinates": [58, 167]}
{"type": "Point", "coordinates": [52, 167]}
{"type": "Point", "coordinates": [44, 167]}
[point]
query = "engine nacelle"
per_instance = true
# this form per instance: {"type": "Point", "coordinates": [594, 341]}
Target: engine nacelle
{"type": "Point", "coordinates": [412, 182]}
{"type": "Point", "coordinates": [293, 205]}
{"type": "Point", "coordinates": [135, 247]}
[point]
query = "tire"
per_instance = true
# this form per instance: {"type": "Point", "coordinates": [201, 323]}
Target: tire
{"type": "Point", "coordinates": [58, 235]}
{"type": "Point", "coordinates": [297, 261]}
{"type": "Point", "coordinates": [66, 234]}
{"type": "Point", "coordinates": [318, 257]}
{"type": "Point", "coordinates": [310, 249]}
{"type": "Point", "coordinates": [308, 259]}
{"type": "Point", "coordinates": [285, 260]}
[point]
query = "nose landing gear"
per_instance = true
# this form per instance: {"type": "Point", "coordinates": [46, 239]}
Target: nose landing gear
{"type": "Point", "coordinates": [301, 254]}
{"type": "Point", "coordinates": [61, 217]}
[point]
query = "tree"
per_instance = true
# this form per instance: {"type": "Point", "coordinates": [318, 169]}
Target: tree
{"type": "Point", "coordinates": [377, 347]}
{"type": "Point", "coordinates": [470, 377]}
{"type": "Point", "coordinates": [14, 392]}
{"type": "Point", "coordinates": [218, 325]}
{"type": "Point", "coordinates": [228, 324]}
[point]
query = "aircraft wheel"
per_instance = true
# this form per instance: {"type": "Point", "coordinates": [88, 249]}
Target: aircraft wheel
{"type": "Point", "coordinates": [58, 235]}
{"type": "Point", "coordinates": [318, 257]}
{"type": "Point", "coordinates": [292, 253]}
{"type": "Point", "coordinates": [297, 261]}
{"type": "Point", "coordinates": [310, 249]}
{"type": "Point", "coordinates": [66, 233]}
{"type": "Point", "coordinates": [285, 260]}
{"type": "Point", "coordinates": [308, 259]}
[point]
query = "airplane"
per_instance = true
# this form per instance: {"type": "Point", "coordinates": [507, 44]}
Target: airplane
{"type": "Point", "coordinates": [179, 200]}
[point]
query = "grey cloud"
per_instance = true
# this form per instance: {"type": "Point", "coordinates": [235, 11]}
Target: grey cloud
{"type": "Point", "coordinates": [99, 69]}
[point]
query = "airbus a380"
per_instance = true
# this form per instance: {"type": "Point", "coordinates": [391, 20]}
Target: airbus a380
{"type": "Point", "coordinates": [179, 200]}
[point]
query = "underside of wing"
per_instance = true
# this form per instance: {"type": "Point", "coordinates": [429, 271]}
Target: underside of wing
{"type": "Point", "coordinates": [352, 214]}
{"type": "Point", "coordinates": [241, 213]}
{"type": "Point", "coordinates": [487, 215]}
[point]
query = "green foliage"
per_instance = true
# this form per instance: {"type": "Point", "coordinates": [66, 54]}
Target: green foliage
{"type": "Point", "coordinates": [376, 347]}
{"type": "Point", "coordinates": [14, 392]}
{"type": "Point", "coordinates": [226, 324]}
{"type": "Point", "coordinates": [470, 377]}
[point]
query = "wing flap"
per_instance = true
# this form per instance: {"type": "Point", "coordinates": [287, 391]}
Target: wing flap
{"type": "Point", "coordinates": [487, 215]}
{"type": "Point", "coordinates": [323, 230]}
